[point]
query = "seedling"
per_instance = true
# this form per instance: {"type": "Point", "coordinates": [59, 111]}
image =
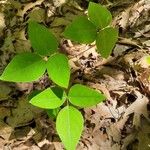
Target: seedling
{"type": "Point", "coordinates": [62, 100]}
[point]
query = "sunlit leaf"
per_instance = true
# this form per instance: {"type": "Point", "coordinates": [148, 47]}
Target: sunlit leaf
{"type": "Point", "coordinates": [59, 70]}
{"type": "Point", "coordinates": [69, 125]}
{"type": "Point", "coordinates": [81, 30]}
{"type": "Point", "coordinates": [42, 40]}
{"type": "Point", "coordinates": [49, 99]}
{"type": "Point", "coordinates": [106, 40]}
{"type": "Point", "coordinates": [99, 15]}
{"type": "Point", "coordinates": [80, 95]}
{"type": "Point", "coordinates": [25, 67]}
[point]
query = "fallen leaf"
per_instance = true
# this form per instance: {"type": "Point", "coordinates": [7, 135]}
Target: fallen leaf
{"type": "Point", "coordinates": [5, 130]}
{"type": "Point", "coordinates": [23, 114]}
{"type": "Point", "coordinates": [143, 136]}
{"type": "Point", "coordinates": [138, 107]}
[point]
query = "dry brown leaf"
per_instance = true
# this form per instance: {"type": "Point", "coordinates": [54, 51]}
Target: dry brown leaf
{"type": "Point", "coordinates": [23, 114]}
{"type": "Point", "coordinates": [42, 143]}
{"type": "Point", "coordinates": [116, 147]}
{"type": "Point", "coordinates": [123, 19]}
{"type": "Point", "coordinates": [4, 112]}
{"type": "Point", "coordinates": [134, 15]}
{"type": "Point", "coordinates": [136, 11]}
{"type": "Point", "coordinates": [2, 23]}
{"type": "Point", "coordinates": [26, 87]}
{"type": "Point", "coordinates": [143, 32]}
{"type": "Point", "coordinates": [143, 136]}
{"type": "Point", "coordinates": [58, 3]}
{"type": "Point", "coordinates": [99, 137]}
{"type": "Point", "coordinates": [5, 130]}
{"type": "Point", "coordinates": [29, 6]}
{"type": "Point", "coordinates": [4, 91]}
{"type": "Point", "coordinates": [138, 107]}
{"type": "Point", "coordinates": [114, 133]}
{"type": "Point", "coordinates": [130, 138]}
{"type": "Point", "coordinates": [2, 143]}
{"type": "Point", "coordinates": [58, 146]}
{"type": "Point", "coordinates": [37, 14]}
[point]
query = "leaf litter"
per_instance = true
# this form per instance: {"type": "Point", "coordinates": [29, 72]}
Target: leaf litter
{"type": "Point", "coordinates": [122, 121]}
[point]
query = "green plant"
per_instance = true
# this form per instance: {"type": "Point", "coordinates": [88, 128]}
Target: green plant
{"type": "Point", "coordinates": [95, 27]}
{"type": "Point", "coordinates": [62, 100]}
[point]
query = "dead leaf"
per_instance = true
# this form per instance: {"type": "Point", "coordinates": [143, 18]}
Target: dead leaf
{"type": "Point", "coordinates": [26, 87]}
{"type": "Point", "coordinates": [4, 112]}
{"type": "Point", "coordinates": [138, 107]}
{"type": "Point", "coordinates": [58, 146]}
{"type": "Point", "coordinates": [4, 91]}
{"type": "Point", "coordinates": [58, 3]}
{"type": "Point", "coordinates": [38, 14]}
{"type": "Point", "coordinates": [28, 6]}
{"type": "Point", "coordinates": [2, 23]}
{"type": "Point", "coordinates": [23, 114]}
{"type": "Point", "coordinates": [5, 130]}
{"type": "Point", "coordinates": [143, 136]}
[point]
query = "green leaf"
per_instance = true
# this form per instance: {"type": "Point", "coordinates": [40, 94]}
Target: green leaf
{"type": "Point", "coordinates": [25, 67]}
{"type": "Point", "coordinates": [99, 15]}
{"type": "Point", "coordinates": [80, 95]}
{"type": "Point", "coordinates": [69, 125]}
{"type": "Point", "coordinates": [59, 70]}
{"type": "Point", "coordinates": [50, 98]}
{"type": "Point", "coordinates": [42, 40]}
{"type": "Point", "coordinates": [52, 113]}
{"type": "Point", "coordinates": [34, 93]}
{"type": "Point", "coordinates": [106, 40]}
{"type": "Point", "coordinates": [81, 30]}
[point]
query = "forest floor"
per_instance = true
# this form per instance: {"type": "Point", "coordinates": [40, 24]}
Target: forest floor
{"type": "Point", "coordinates": [122, 122]}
